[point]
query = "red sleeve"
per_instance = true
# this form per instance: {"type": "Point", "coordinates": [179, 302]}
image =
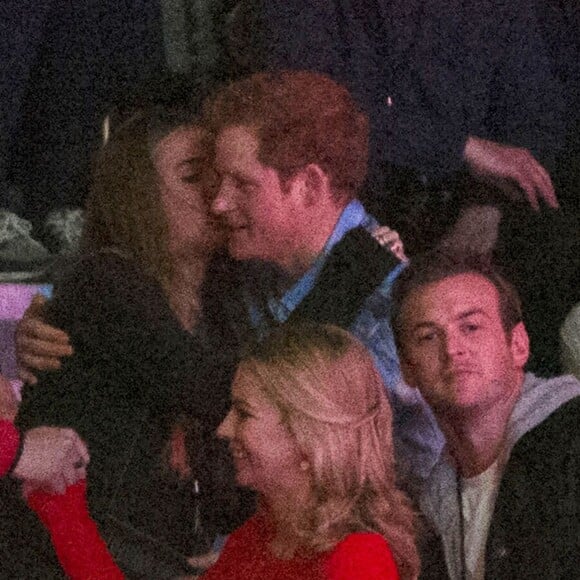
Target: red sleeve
{"type": "Point", "coordinates": [9, 441]}
{"type": "Point", "coordinates": [362, 556]}
{"type": "Point", "coordinates": [81, 551]}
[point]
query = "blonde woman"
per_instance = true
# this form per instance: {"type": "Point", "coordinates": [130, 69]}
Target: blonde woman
{"type": "Point", "coordinates": [310, 430]}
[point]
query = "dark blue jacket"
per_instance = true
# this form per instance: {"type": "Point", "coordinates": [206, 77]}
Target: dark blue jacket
{"type": "Point", "coordinates": [450, 69]}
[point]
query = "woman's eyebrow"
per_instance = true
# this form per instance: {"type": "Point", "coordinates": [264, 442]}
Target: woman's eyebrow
{"type": "Point", "coordinates": [192, 161]}
{"type": "Point", "coordinates": [236, 402]}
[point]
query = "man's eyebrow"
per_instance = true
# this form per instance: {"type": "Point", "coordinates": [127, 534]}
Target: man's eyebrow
{"type": "Point", "coordinates": [472, 312]}
{"type": "Point", "coordinates": [461, 316]}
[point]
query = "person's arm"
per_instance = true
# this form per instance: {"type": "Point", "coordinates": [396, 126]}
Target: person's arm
{"type": "Point", "coordinates": [80, 549]}
{"type": "Point", "coordinates": [131, 357]}
{"type": "Point", "coordinates": [9, 446]}
{"type": "Point", "coordinates": [39, 346]}
{"type": "Point", "coordinates": [48, 457]}
{"type": "Point", "coordinates": [8, 400]}
{"type": "Point", "coordinates": [517, 114]}
{"type": "Point", "coordinates": [119, 324]}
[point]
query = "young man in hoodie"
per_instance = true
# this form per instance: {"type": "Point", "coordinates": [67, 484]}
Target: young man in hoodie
{"type": "Point", "coordinates": [504, 496]}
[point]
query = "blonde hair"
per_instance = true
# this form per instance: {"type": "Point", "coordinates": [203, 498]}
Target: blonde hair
{"type": "Point", "coordinates": [332, 400]}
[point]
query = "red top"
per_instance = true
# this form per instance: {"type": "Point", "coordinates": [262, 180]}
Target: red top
{"type": "Point", "coordinates": [247, 556]}
{"type": "Point", "coordinates": [9, 441]}
{"type": "Point", "coordinates": [81, 552]}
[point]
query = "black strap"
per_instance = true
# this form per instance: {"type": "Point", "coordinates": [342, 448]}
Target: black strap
{"type": "Point", "coordinates": [352, 272]}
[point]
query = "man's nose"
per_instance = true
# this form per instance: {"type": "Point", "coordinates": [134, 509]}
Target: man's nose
{"type": "Point", "coordinates": [224, 201]}
{"type": "Point", "coordinates": [454, 344]}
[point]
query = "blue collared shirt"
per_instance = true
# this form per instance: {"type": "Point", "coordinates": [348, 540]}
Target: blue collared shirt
{"type": "Point", "coordinates": [418, 438]}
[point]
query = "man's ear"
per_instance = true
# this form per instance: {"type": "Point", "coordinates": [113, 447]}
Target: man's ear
{"type": "Point", "coordinates": [520, 345]}
{"type": "Point", "coordinates": [311, 183]}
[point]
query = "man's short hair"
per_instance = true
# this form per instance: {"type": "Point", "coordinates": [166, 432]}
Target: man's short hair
{"type": "Point", "coordinates": [300, 117]}
{"type": "Point", "coordinates": [436, 266]}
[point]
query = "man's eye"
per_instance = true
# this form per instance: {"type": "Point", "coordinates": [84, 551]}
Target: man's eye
{"type": "Point", "coordinates": [427, 336]}
{"type": "Point", "coordinates": [470, 327]}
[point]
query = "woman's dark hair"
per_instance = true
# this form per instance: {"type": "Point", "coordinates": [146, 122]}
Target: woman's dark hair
{"type": "Point", "coordinates": [124, 209]}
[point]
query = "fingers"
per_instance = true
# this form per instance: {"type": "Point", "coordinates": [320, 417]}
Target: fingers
{"type": "Point", "coordinates": [72, 466]}
{"type": "Point", "coordinates": [8, 400]}
{"type": "Point", "coordinates": [390, 238]}
{"type": "Point", "coordinates": [73, 473]}
{"type": "Point", "coordinates": [52, 458]}
{"type": "Point", "coordinates": [26, 376]}
{"type": "Point", "coordinates": [41, 338]}
{"type": "Point", "coordinates": [534, 180]}
{"type": "Point", "coordinates": [544, 185]}
{"type": "Point", "coordinates": [36, 307]}
{"type": "Point", "coordinates": [27, 359]}
{"type": "Point", "coordinates": [529, 188]}
{"type": "Point", "coordinates": [39, 347]}
{"type": "Point", "coordinates": [507, 166]}
{"type": "Point", "coordinates": [82, 451]}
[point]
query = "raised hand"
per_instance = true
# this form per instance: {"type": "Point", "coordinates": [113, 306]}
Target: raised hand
{"type": "Point", "coordinates": [514, 170]}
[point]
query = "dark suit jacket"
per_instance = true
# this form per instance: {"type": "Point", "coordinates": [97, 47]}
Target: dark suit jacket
{"type": "Point", "coordinates": [450, 68]}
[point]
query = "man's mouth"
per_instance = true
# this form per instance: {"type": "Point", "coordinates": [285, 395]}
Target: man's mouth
{"type": "Point", "coordinates": [462, 371]}
{"type": "Point", "coordinates": [236, 452]}
{"type": "Point", "coordinates": [234, 228]}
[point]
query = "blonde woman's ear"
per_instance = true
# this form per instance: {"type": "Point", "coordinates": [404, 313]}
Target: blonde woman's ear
{"type": "Point", "coordinates": [304, 465]}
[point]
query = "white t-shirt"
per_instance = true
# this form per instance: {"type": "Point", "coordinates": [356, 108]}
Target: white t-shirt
{"type": "Point", "coordinates": [441, 504]}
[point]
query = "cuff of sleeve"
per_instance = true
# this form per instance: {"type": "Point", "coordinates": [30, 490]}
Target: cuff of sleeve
{"type": "Point", "coordinates": [10, 447]}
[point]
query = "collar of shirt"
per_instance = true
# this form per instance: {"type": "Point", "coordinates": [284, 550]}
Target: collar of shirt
{"type": "Point", "coordinates": [353, 216]}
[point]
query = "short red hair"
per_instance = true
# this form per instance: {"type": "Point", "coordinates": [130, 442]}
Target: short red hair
{"type": "Point", "coordinates": [301, 118]}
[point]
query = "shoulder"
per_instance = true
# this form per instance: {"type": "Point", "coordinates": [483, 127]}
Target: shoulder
{"type": "Point", "coordinates": [104, 266]}
{"type": "Point", "coordinates": [561, 423]}
{"type": "Point", "coordinates": [105, 278]}
{"type": "Point", "coordinates": [361, 555]}
{"type": "Point", "coordinates": [552, 447]}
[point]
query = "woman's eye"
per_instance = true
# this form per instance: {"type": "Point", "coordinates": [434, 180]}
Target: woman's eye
{"type": "Point", "coordinates": [192, 178]}
{"type": "Point", "coordinates": [427, 337]}
{"type": "Point", "coordinates": [242, 414]}
{"type": "Point", "coordinates": [245, 186]}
